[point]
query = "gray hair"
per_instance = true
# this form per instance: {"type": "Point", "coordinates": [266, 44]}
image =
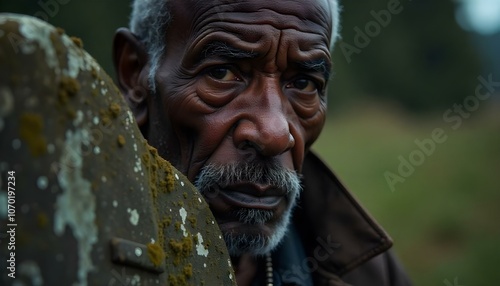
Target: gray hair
{"type": "Point", "coordinates": [149, 20]}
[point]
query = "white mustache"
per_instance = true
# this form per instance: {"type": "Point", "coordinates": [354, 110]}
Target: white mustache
{"type": "Point", "coordinates": [213, 176]}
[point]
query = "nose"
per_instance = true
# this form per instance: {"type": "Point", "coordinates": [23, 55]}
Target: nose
{"type": "Point", "coordinates": [266, 131]}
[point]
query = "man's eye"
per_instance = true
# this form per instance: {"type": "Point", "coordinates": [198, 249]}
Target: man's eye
{"type": "Point", "coordinates": [223, 74]}
{"type": "Point", "coordinates": [303, 84]}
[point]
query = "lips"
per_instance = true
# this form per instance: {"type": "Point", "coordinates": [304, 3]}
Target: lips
{"type": "Point", "coordinates": [249, 201]}
{"type": "Point", "coordinates": [252, 196]}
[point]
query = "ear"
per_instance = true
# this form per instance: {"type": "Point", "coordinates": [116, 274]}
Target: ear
{"type": "Point", "coordinates": [131, 65]}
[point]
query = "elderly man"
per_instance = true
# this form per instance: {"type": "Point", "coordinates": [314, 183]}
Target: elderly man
{"type": "Point", "coordinates": [233, 94]}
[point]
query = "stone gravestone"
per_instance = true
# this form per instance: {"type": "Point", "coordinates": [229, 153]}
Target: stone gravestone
{"type": "Point", "coordinates": [84, 199]}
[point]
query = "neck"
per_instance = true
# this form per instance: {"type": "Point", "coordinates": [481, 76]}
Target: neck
{"type": "Point", "coordinates": [245, 268]}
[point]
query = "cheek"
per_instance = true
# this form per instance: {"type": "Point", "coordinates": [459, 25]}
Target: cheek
{"type": "Point", "coordinates": [217, 94]}
{"type": "Point", "coordinates": [305, 132]}
{"type": "Point", "coordinates": [312, 126]}
{"type": "Point", "coordinates": [310, 110]}
{"type": "Point", "coordinates": [185, 106]}
{"type": "Point", "coordinates": [306, 106]}
{"type": "Point", "coordinates": [197, 127]}
{"type": "Point", "coordinates": [201, 125]}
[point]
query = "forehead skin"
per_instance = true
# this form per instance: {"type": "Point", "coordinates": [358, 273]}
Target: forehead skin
{"type": "Point", "coordinates": [280, 33]}
{"type": "Point", "coordinates": [240, 22]}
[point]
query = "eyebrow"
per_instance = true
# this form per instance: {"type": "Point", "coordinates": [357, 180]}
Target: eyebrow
{"type": "Point", "coordinates": [319, 65]}
{"type": "Point", "coordinates": [223, 50]}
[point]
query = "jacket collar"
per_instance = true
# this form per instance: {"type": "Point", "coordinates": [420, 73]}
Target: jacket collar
{"type": "Point", "coordinates": [337, 232]}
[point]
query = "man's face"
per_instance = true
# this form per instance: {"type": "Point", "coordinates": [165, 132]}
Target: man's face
{"type": "Point", "coordinates": [240, 98]}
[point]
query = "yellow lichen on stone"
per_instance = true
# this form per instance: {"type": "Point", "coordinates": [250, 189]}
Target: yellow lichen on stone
{"type": "Point", "coordinates": [105, 117]}
{"type": "Point", "coordinates": [68, 87]}
{"type": "Point", "coordinates": [166, 221]}
{"type": "Point", "coordinates": [188, 270]}
{"type": "Point", "coordinates": [192, 220]}
{"type": "Point", "coordinates": [57, 44]}
{"type": "Point", "coordinates": [177, 280]}
{"type": "Point", "coordinates": [114, 109]}
{"type": "Point", "coordinates": [60, 31]}
{"type": "Point", "coordinates": [170, 175]}
{"type": "Point", "coordinates": [158, 162]}
{"type": "Point", "coordinates": [77, 41]}
{"type": "Point", "coordinates": [150, 161]}
{"type": "Point", "coordinates": [181, 278]}
{"type": "Point", "coordinates": [30, 130]}
{"type": "Point", "coordinates": [153, 151]}
{"type": "Point", "coordinates": [106, 121]}
{"type": "Point", "coordinates": [155, 253]}
{"type": "Point", "coordinates": [93, 72]}
{"type": "Point", "coordinates": [121, 140]}
{"type": "Point", "coordinates": [181, 249]}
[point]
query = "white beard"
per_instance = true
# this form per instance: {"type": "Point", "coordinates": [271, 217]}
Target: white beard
{"type": "Point", "coordinates": [212, 177]}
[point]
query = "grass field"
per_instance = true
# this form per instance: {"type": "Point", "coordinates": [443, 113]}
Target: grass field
{"type": "Point", "coordinates": [445, 216]}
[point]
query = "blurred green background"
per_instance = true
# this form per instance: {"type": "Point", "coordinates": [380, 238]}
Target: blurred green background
{"type": "Point", "coordinates": [394, 80]}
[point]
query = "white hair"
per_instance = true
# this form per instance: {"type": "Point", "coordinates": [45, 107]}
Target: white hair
{"type": "Point", "coordinates": [150, 18]}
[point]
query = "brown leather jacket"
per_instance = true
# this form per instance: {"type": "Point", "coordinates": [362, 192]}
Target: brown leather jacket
{"type": "Point", "coordinates": [342, 244]}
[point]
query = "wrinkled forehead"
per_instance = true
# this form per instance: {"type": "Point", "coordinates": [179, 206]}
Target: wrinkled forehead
{"type": "Point", "coordinates": [310, 16]}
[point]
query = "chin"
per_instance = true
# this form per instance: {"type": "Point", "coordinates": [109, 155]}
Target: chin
{"type": "Point", "coordinates": [255, 239]}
